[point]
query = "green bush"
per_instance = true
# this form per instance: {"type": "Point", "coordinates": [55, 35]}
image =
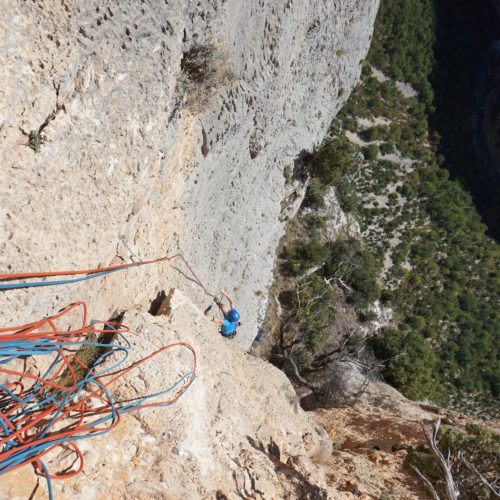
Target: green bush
{"type": "Point", "coordinates": [350, 124]}
{"type": "Point", "coordinates": [357, 267]}
{"type": "Point", "coordinates": [316, 315]}
{"type": "Point", "coordinates": [410, 362]}
{"type": "Point", "coordinates": [370, 152]}
{"type": "Point", "coordinates": [303, 255]}
{"type": "Point", "coordinates": [387, 148]}
{"type": "Point", "coordinates": [315, 194]}
{"type": "Point", "coordinates": [347, 196]}
{"type": "Point", "coordinates": [315, 222]}
{"type": "Point", "coordinates": [333, 160]}
{"type": "Point", "coordinates": [370, 134]}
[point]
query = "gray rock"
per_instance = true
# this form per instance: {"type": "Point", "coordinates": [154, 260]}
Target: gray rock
{"type": "Point", "coordinates": [123, 155]}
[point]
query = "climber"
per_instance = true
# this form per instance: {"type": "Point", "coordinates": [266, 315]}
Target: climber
{"type": "Point", "coordinates": [231, 317]}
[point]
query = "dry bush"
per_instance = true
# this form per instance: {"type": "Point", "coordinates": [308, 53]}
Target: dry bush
{"type": "Point", "coordinates": [205, 69]}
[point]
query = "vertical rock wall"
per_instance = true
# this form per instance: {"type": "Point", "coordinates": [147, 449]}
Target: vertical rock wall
{"type": "Point", "coordinates": [118, 162]}
{"type": "Point", "coordinates": [123, 155]}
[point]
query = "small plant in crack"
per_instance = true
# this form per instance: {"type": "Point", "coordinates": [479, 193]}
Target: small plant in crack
{"type": "Point", "coordinates": [205, 69]}
{"type": "Point", "coordinates": [35, 140]}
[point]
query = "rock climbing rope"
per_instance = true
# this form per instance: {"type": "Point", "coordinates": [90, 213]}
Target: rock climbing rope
{"type": "Point", "coordinates": [71, 400]}
{"type": "Point", "coordinates": [90, 274]}
{"type": "Point", "coordinates": [65, 404]}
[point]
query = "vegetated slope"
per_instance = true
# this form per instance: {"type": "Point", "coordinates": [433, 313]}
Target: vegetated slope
{"type": "Point", "coordinates": [447, 50]}
{"type": "Point", "coordinates": [439, 270]}
{"type": "Point", "coordinates": [403, 41]}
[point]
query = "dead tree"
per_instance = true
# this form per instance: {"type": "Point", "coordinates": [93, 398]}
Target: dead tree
{"type": "Point", "coordinates": [444, 463]}
{"type": "Point", "coordinates": [491, 487]}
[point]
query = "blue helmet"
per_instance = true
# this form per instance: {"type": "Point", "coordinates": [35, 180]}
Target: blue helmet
{"type": "Point", "coordinates": [233, 315]}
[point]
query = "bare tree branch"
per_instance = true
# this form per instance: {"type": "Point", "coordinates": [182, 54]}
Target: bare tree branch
{"type": "Point", "coordinates": [492, 488]}
{"type": "Point", "coordinates": [344, 285]}
{"type": "Point", "coordinates": [296, 372]}
{"type": "Point", "coordinates": [433, 492]}
{"type": "Point", "coordinates": [323, 359]}
{"type": "Point", "coordinates": [311, 271]}
{"type": "Point", "coordinates": [451, 487]}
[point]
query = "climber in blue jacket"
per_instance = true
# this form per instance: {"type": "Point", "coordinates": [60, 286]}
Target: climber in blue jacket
{"type": "Point", "coordinates": [231, 317]}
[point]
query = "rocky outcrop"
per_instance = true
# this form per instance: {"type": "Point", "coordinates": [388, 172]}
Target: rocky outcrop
{"type": "Point", "coordinates": [238, 430]}
{"type": "Point", "coordinates": [98, 85]}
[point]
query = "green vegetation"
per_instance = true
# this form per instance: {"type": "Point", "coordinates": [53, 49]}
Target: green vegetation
{"type": "Point", "coordinates": [444, 282]}
{"type": "Point", "coordinates": [314, 316]}
{"type": "Point", "coordinates": [402, 43]}
{"type": "Point", "coordinates": [370, 152]}
{"type": "Point", "coordinates": [205, 68]}
{"type": "Point", "coordinates": [440, 273]}
{"type": "Point", "coordinates": [357, 268]}
{"type": "Point", "coordinates": [317, 276]}
{"type": "Point", "coordinates": [303, 255]}
{"type": "Point", "coordinates": [423, 250]}
{"type": "Point", "coordinates": [315, 194]}
{"type": "Point", "coordinates": [442, 279]}
{"type": "Point", "coordinates": [35, 141]}
{"type": "Point", "coordinates": [410, 361]}
{"type": "Point", "coordinates": [344, 260]}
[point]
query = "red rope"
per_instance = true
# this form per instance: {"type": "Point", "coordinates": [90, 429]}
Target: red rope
{"type": "Point", "coordinates": [48, 414]}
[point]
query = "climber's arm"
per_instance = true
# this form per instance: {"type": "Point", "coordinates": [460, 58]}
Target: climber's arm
{"type": "Point", "coordinates": [231, 304]}
{"type": "Point", "coordinates": [219, 321]}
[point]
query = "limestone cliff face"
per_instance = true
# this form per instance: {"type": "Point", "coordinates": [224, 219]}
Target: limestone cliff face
{"type": "Point", "coordinates": [238, 430]}
{"type": "Point", "coordinates": [124, 159]}
{"type": "Point", "coordinates": [123, 154]}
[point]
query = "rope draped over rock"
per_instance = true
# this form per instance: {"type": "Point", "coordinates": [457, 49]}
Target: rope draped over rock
{"type": "Point", "coordinates": [40, 413]}
{"type": "Point", "coordinates": [90, 274]}
{"type": "Point", "coordinates": [71, 400]}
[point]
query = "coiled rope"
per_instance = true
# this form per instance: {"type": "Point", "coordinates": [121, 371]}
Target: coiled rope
{"type": "Point", "coordinates": [39, 413]}
{"type": "Point", "coordinates": [71, 400]}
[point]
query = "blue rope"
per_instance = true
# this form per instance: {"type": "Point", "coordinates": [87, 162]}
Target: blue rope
{"type": "Point", "coordinates": [30, 284]}
{"type": "Point", "coordinates": [33, 400]}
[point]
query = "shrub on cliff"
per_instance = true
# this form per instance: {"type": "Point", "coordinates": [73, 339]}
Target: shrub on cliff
{"type": "Point", "coordinates": [410, 362]}
{"type": "Point", "coordinates": [357, 268]}
{"type": "Point", "coordinates": [334, 159]}
{"type": "Point", "coordinates": [315, 194]}
{"type": "Point", "coordinates": [302, 256]}
{"type": "Point", "coordinates": [205, 69]}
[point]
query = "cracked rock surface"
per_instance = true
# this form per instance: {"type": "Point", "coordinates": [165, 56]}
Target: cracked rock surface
{"type": "Point", "coordinates": [101, 157]}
